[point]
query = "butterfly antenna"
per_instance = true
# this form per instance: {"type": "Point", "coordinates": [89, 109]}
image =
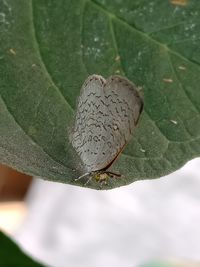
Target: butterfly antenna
{"type": "Point", "coordinates": [80, 177]}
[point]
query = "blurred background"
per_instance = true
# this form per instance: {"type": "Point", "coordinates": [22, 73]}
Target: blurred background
{"type": "Point", "coordinates": [148, 223]}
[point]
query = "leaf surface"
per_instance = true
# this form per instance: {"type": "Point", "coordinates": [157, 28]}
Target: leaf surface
{"type": "Point", "coordinates": [50, 48]}
{"type": "Point", "coordinates": [11, 254]}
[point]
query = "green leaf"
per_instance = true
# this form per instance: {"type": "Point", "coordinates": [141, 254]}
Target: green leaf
{"type": "Point", "coordinates": [11, 254]}
{"type": "Point", "coordinates": [50, 47]}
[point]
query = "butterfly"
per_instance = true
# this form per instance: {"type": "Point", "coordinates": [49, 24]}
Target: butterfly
{"type": "Point", "coordinates": [107, 113]}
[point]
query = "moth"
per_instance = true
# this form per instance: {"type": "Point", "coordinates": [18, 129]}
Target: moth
{"type": "Point", "coordinates": [107, 113]}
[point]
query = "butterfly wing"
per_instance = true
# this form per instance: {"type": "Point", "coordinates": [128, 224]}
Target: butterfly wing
{"type": "Point", "coordinates": [89, 121]}
{"type": "Point", "coordinates": [107, 114]}
{"type": "Point", "coordinates": [124, 106]}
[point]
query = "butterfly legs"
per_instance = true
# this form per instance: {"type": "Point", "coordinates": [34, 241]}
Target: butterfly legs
{"type": "Point", "coordinates": [100, 177]}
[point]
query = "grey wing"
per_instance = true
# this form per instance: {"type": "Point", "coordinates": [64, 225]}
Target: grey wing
{"type": "Point", "coordinates": [124, 106]}
{"type": "Point", "coordinates": [89, 121]}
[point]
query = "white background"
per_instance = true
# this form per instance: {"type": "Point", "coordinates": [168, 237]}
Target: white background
{"type": "Point", "coordinates": [124, 227]}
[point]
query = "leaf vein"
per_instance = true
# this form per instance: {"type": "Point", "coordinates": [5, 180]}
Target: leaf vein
{"type": "Point", "coordinates": [42, 60]}
{"type": "Point", "coordinates": [126, 24]}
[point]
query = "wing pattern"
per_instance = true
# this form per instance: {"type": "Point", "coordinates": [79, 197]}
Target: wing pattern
{"type": "Point", "coordinates": [107, 113]}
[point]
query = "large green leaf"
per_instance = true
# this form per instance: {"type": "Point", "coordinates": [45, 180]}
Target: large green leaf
{"type": "Point", "coordinates": [47, 50]}
{"type": "Point", "coordinates": [11, 254]}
